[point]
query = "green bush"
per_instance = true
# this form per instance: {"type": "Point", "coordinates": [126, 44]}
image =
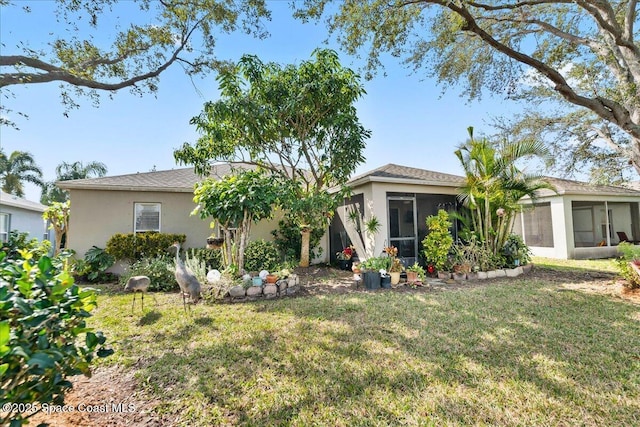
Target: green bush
{"type": "Point", "coordinates": [160, 270]}
{"type": "Point", "coordinates": [629, 253]}
{"type": "Point", "coordinates": [96, 262]}
{"type": "Point", "coordinates": [515, 249]}
{"type": "Point", "coordinates": [18, 240]}
{"type": "Point", "coordinates": [439, 240]}
{"type": "Point", "coordinates": [211, 257]}
{"type": "Point", "coordinates": [261, 255]}
{"type": "Point", "coordinates": [288, 240]}
{"type": "Point", "coordinates": [43, 333]}
{"type": "Point", "coordinates": [134, 247]}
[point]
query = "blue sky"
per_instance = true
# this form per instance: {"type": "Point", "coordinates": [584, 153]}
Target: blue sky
{"type": "Point", "coordinates": [412, 124]}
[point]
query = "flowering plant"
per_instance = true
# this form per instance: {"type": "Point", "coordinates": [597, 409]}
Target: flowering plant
{"type": "Point", "coordinates": [346, 254]}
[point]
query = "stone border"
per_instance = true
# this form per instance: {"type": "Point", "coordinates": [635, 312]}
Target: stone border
{"type": "Point", "coordinates": [493, 274]}
{"type": "Point", "coordinates": [283, 287]}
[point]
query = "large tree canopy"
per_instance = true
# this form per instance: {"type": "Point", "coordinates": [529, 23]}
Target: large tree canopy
{"type": "Point", "coordinates": [582, 53]}
{"type": "Point", "coordinates": [104, 51]}
{"type": "Point", "coordinates": [298, 121]}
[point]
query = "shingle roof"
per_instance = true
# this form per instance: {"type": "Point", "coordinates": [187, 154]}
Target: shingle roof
{"type": "Point", "coordinates": [566, 186]}
{"type": "Point", "coordinates": [397, 173]}
{"type": "Point", "coordinates": [17, 202]}
{"type": "Point", "coordinates": [174, 180]}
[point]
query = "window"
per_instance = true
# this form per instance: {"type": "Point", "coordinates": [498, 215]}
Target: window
{"type": "Point", "coordinates": [5, 226]}
{"type": "Point", "coordinates": [147, 217]}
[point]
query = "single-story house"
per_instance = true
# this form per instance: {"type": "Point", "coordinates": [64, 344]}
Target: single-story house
{"type": "Point", "coordinates": [571, 223]}
{"type": "Point", "coordinates": [580, 220]}
{"type": "Point", "coordinates": [22, 215]}
{"type": "Point", "coordinates": [152, 201]}
{"type": "Point", "coordinates": [568, 224]}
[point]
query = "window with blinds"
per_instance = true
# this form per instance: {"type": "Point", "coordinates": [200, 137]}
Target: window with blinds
{"type": "Point", "coordinates": [147, 217]}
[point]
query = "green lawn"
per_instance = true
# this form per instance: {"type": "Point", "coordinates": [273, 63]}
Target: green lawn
{"type": "Point", "coordinates": [513, 353]}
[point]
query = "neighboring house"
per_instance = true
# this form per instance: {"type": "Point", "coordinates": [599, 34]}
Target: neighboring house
{"type": "Point", "coordinates": [580, 221]}
{"type": "Point", "coordinates": [22, 215]}
{"type": "Point", "coordinates": [153, 201]}
{"type": "Point", "coordinates": [569, 224]}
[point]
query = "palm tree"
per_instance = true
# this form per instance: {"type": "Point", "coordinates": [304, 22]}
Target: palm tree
{"type": "Point", "coordinates": [67, 172]}
{"type": "Point", "coordinates": [494, 185]}
{"type": "Point", "coordinates": [19, 167]}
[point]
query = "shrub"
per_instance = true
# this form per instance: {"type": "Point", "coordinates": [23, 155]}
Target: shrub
{"type": "Point", "coordinates": [438, 242]}
{"type": "Point", "coordinates": [515, 249]}
{"type": "Point", "coordinates": [160, 270]}
{"type": "Point", "coordinates": [18, 240]}
{"type": "Point", "coordinates": [629, 253]}
{"type": "Point", "coordinates": [261, 255]}
{"type": "Point", "coordinates": [43, 333]}
{"type": "Point", "coordinates": [211, 257]}
{"type": "Point", "coordinates": [96, 262]}
{"type": "Point", "coordinates": [134, 247]}
{"type": "Point", "coordinates": [288, 240]}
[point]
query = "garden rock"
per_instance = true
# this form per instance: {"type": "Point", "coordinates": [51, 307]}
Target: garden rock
{"type": "Point", "coordinates": [237, 292]}
{"type": "Point", "coordinates": [292, 290]}
{"type": "Point", "coordinates": [501, 273]}
{"type": "Point", "coordinates": [270, 290]}
{"type": "Point", "coordinates": [254, 291]}
{"type": "Point", "coordinates": [282, 285]}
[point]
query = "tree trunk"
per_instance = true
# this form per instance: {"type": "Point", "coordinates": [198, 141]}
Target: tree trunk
{"type": "Point", "coordinates": [304, 251]}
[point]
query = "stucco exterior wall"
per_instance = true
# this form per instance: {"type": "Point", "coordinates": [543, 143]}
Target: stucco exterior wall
{"type": "Point", "coordinates": [97, 215]}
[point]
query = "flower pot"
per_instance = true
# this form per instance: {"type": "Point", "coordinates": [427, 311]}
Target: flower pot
{"type": "Point", "coordinates": [371, 280]}
{"type": "Point", "coordinates": [345, 264]}
{"type": "Point", "coordinates": [272, 278]}
{"type": "Point", "coordinates": [395, 277]}
{"type": "Point", "coordinates": [256, 281]}
{"type": "Point", "coordinates": [385, 281]}
{"type": "Point", "coordinates": [412, 276]}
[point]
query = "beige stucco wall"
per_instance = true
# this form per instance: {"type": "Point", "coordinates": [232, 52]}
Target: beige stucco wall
{"type": "Point", "coordinates": [97, 215]}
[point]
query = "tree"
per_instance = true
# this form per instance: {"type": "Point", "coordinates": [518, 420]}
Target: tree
{"type": "Point", "coordinates": [297, 122]}
{"type": "Point", "coordinates": [494, 185]}
{"type": "Point", "coordinates": [57, 214]}
{"type": "Point", "coordinates": [579, 52]}
{"type": "Point", "coordinates": [19, 167]}
{"type": "Point", "coordinates": [157, 35]}
{"type": "Point", "coordinates": [236, 201]}
{"type": "Point", "coordinates": [66, 172]}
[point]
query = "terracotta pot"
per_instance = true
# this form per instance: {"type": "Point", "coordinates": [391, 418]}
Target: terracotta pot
{"type": "Point", "coordinates": [272, 278]}
{"type": "Point", "coordinates": [412, 276]}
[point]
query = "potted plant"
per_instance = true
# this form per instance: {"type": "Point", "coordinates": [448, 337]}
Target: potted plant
{"type": "Point", "coordinates": [395, 270]}
{"type": "Point", "coordinates": [345, 258]}
{"type": "Point", "coordinates": [371, 272]}
{"type": "Point", "coordinates": [415, 273]}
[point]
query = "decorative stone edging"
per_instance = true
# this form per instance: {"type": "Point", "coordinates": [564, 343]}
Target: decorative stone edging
{"type": "Point", "coordinates": [283, 287]}
{"type": "Point", "coordinates": [493, 274]}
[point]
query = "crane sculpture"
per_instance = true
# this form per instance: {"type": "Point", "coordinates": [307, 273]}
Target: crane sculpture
{"type": "Point", "coordinates": [189, 284]}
